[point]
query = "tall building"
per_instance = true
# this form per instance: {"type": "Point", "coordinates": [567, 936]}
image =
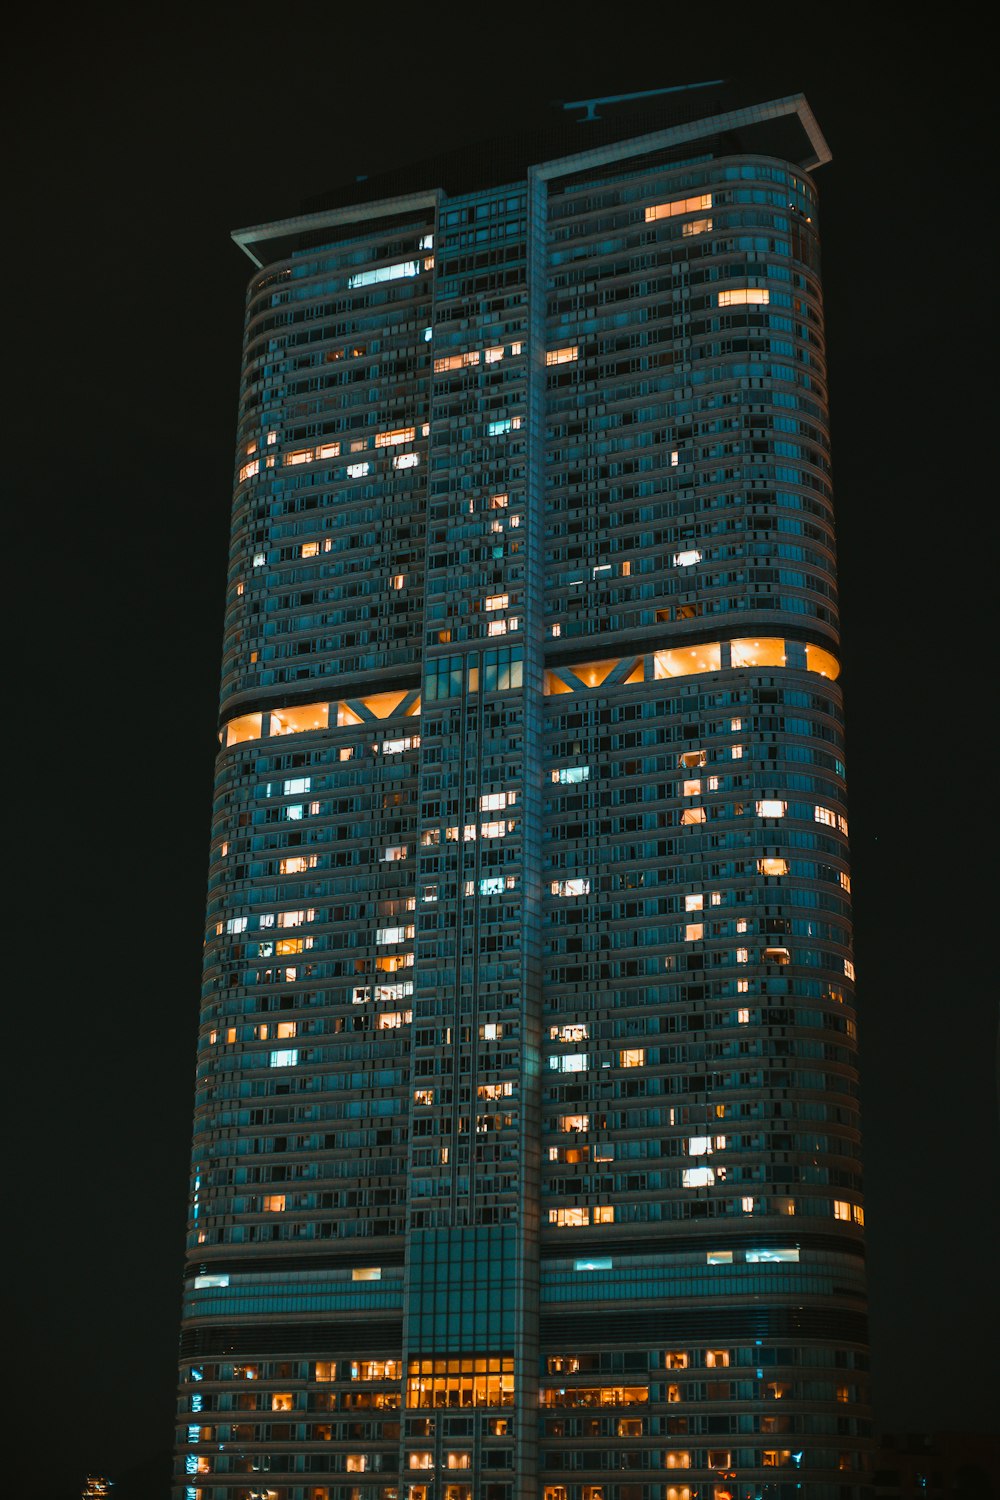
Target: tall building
{"type": "Point", "coordinates": [526, 1155]}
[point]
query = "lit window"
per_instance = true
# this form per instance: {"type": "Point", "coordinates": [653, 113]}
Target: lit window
{"type": "Point", "coordinates": [694, 902]}
{"type": "Point", "coordinates": [384, 273]}
{"type": "Point", "coordinates": [569, 1062]}
{"type": "Point", "coordinates": [688, 558]}
{"type": "Point", "coordinates": [842, 1210]}
{"type": "Point", "coordinates": [694, 932]}
{"type": "Point", "coordinates": [456, 361]}
{"type": "Point", "coordinates": [274, 1203]}
{"type": "Point", "coordinates": [632, 1057]}
{"type": "Point", "coordinates": [246, 727]}
{"type": "Point", "coordinates": [366, 1273]}
{"type": "Point", "coordinates": [300, 720]}
{"type": "Point", "coordinates": [573, 887]}
{"type": "Point", "coordinates": [285, 1058]}
{"type": "Point", "coordinates": [763, 1256]}
{"type": "Point", "coordinates": [249, 470]}
{"type": "Point", "coordinates": [697, 226]}
{"type": "Point", "coordinates": [770, 866]}
{"type": "Point", "coordinates": [569, 1218]}
{"type": "Point", "coordinates": [771, 807]}
{"type": "Point", "coordinates": [849, 969]}
{"type": "Point", "coordinates": [496, 601]}
{"type": "Point", "coordinates": [691, 788]}
{"type": "Point", "coordinates": [696, 1177]}
{"type": "Point", "coordinates": [824, 815]}
{"type": "Point", "coordinates": [570, 775]}
{"type": "Point", "coordinates": [397, 435]}
{"type": "Point", "coordinates": [743, 1017]}
{"type": "Point", "coordinates": [717, 1359]}
{"type": "Point", "coordinates": [406, 461]}
{"type": "Point", "coordinates": [701, 1145]}
{"type": "Point", "coordinates": [744, 295]}
{"type": "Point", "coordinates": [678, 206]}
{"type": "Point", "coordinates": [676, 1359]}
{"type": "Point", "coordinates": [693, 815]}
{"type": "Point", "coordinates": [576, 1031]}
{"type": "Point", "coordinates": [562, 356]}
{"type": "Point", "coordinates": [358, 471]}
{"type": "Point", "coordinates": [691, 759]}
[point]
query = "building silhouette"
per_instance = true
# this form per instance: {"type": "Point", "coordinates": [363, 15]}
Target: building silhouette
{"type": "Point", "coordinates": [526, 1153]}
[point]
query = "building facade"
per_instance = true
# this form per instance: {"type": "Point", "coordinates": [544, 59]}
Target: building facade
{"type": "Point", "coordinates": [526, 1154]}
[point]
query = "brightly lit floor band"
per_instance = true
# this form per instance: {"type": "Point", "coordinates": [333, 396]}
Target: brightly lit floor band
{"type": "Point", "coordinates": [680, 661]}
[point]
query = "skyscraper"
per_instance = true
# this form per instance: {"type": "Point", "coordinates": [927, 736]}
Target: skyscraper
{"type": "Point", "coordinates": [526, 1157]}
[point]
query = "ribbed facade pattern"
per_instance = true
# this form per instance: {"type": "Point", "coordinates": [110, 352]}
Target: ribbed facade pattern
{"type": "Point", "coordinates": [526, 1157]}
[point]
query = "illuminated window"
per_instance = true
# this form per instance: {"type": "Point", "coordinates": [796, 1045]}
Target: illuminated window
{"type": "Point", "coordinates": [686, 660]}
{"type": "Point", "coordinates": [768, 652]}
{"type": "Point", "coordinates": [717, 1359]}
{"type": "Point", "coordinates": [776, 956]}
{"type": "Point", "coordinates": [687, 559]}
{"type": "Point", "coordinates": [677, 1458]}
{"type": "Point", "coordinates": [704, 1145]}
{"type": "Point", "coordinates": [678, 206]}
{"type": "Point", "coordinates": [496, 601]}
{"type": "Point", "coordinates": [824, 815]}
{"type": "Point", "coordinates": [632, 1057]}
{"type": "Point", "coordinates": [562, 356]}
{"type": "Point", "coordinates": [249, 470]}
{"type": "Point", "coordinates": [246, 727]}
{"type": "Point", "coordinates": [605, 1395]}
{"type": "Point", "coordinates": [849, 969]}
{"type": "Point", "coordinates": [406, 461]}
{"type": "Point", "coordinates": [742, 296]}
{"type": "Point", "coordinates": [299, 720]}
{"type": "Point", "coordinates": [771, 807]}
{"type": "Point", "coordinates": [384, 273]}
{"type": "Point", "coordinates": [694, 932]}
{"type": "Point", "coordinates": [285, 1058]}
{"type": "Point", "coordinates": [697, 226]}
{"type": "Point", "coordinates": [718, 1257]}
{"type": "Point", "coordinates": [693, 815]}
{"type": "Point", "coordinates": [456, 361]}
{"type": "Point", "coordinates": [366, 1273]}
{"type": "Point", "coordinates": [691, 759]}
{"type": "Point", "coordinates": [569, 1218]}
{"type": "Point", "coordinates": [282, 1401]}
{"type": "Point", "coordinates": [455, 1382]}
{"type": "Point", "coordinates": [574, 887]}
{"type": "Point", "coordinates": [274, 1203]}
{"type": "Point", "coordinates": [570, 775]}
{"type": "Point", "coordinates": [770, 866]}
{"type": "Point", "coordinates": [697, 1177]}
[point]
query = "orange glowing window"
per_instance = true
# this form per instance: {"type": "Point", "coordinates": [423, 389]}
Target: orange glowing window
{"type": "Point", "coordinates": [678, 206]}
{"type": "Point", "coordinates": [300, 720]}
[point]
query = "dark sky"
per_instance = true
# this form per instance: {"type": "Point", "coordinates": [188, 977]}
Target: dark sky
{"type": "Point", "coordinates": [140, 138]}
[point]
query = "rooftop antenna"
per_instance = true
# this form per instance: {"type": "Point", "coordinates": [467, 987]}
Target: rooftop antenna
{"type": "Point", "coordinates": [590, 105]}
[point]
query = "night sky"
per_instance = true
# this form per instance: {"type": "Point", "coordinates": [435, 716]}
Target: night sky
{"type": "Point", "coordinates": [140, 139]}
